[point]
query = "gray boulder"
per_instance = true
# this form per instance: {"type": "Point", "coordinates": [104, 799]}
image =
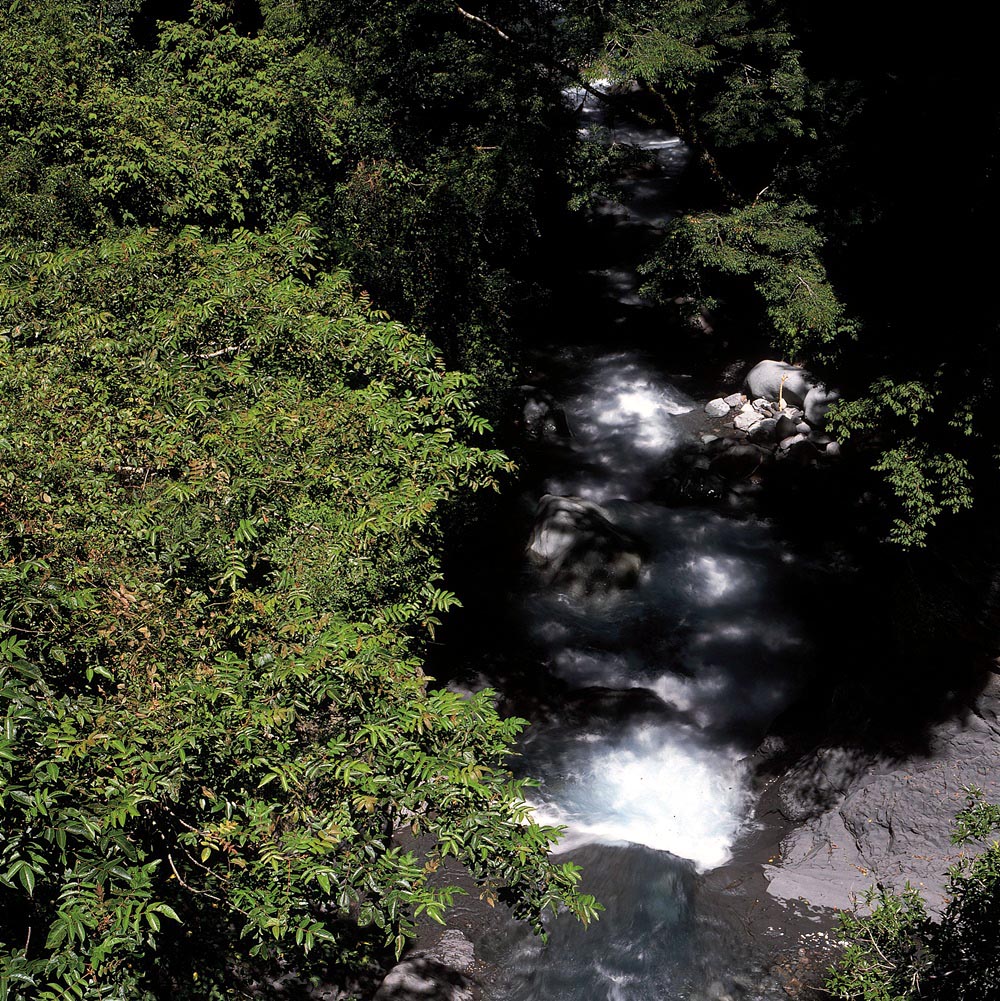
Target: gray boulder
{"type": "Point", "coordinates": [799, 388]}
{"type": "Point", "coordinates": [866, 817]}
{"type": "Point", "coordinates": [541, 416]}
{"type": "Point", "coordinates": [740, 460]}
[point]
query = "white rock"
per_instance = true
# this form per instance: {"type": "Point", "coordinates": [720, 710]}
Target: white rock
{"type": "Point", "coordinates": [734, 399]}
{"type": "Point", "coordinates": [799, 388]}
{"type": "Point", "coordinates": [717, 408]}
{"type": "Point", "coordinates": [747, 421]}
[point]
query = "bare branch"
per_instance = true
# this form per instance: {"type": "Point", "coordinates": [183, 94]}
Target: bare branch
{"type": "Point", "coordinates": [486, 24]}
{"type": "Point", "coordinates": [231, 349]}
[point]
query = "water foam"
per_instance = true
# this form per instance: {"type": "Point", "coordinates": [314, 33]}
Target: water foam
{"type": "Point", "coordinates": [662, 788]}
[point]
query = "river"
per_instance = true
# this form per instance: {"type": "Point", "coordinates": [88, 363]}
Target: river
{"type": "Point", "coordinates": [646, 695]}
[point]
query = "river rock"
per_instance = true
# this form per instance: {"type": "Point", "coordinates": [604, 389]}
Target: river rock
{"type": "Point", "coordinates": [762, 406]}
{"type": "Point", "coordinates": [698, 485]}
{"type": "Point", "coordinates": [833, 449]}
{"type": "Point", "coordinates": [786, 443]}
{"type": "Point", "coordinates": [717, 408]}
{"type": "Point", "coordinates": [734, 400]}
{"type": "Point", "coordinates": [740, 460]}
{"type": "Point", "coordinates": [800, 388]}
{"type": "Point", "coordinates": [746, 421]}
{"type": "Point", "coordinates": [764, 432]}
{"type": "Point", "coordinates": [866, 817]}
{"type": "Point", "coordinates": [579, 547]}
{"type": "Point", "coordinates": [802, 428]}
{"type": "Point", "coordinates": [803, 450]}
{"type": "Point", "coordinates": [440, 973]}
{"type": "Point", "coordinates": [785, 427]}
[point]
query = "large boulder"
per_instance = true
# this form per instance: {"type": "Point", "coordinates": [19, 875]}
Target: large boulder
{"type": "Point", "coordinates": [578, 546]}
{"type": "Point", "coordinates": [864, 817]}
{"type": "Point", "coordinates": [800, 388]}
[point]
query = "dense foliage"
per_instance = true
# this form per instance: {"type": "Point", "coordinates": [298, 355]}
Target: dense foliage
{"type": "Point", "coordinates": [222, 473]}
{"type": "Point", "coordinates": [897, 953]}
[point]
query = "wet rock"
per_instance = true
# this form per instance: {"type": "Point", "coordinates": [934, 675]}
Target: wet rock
{"type": "Point", "coordinates": [541, 416]}
{"type": "Point", "coordinates": [578, 546]}
{"type": "Point", "coordinates": [707, 439]}
{"type": "Point", "coordinates": [734, 400]}
{"type": "Point", "coordinates": [803, 450]}
{"type": "Point", "coordinates": [440, 973]}
{"type": "Point", "coordinates": [698, 486]}
{"type": "Point", "coordinates": [833, 449]}
{"type": "Point", "coordinates": [721, 443]}
{"type": "Point", "coordinates": [717, 408]}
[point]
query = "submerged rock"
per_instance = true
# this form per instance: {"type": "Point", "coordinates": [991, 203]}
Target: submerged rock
{"type": "Point", "coordinates": [580, 548]}
{"type": "Point", "coordinates": [541, 416]}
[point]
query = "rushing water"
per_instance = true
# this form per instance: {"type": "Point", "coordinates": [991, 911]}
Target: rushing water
{"type": "Point", "coordinates": [668, 683]}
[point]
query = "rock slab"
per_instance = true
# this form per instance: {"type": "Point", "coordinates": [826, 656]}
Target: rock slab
{"type": "Point", "coordinates": [867, 818]}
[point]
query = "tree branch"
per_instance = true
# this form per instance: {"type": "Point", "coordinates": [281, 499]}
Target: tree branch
{"type": "Point", "coordinates": [486, 24]}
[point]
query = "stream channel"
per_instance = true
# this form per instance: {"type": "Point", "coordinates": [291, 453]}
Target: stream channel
{"type": "Point", "coordinates": [645, 695]}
